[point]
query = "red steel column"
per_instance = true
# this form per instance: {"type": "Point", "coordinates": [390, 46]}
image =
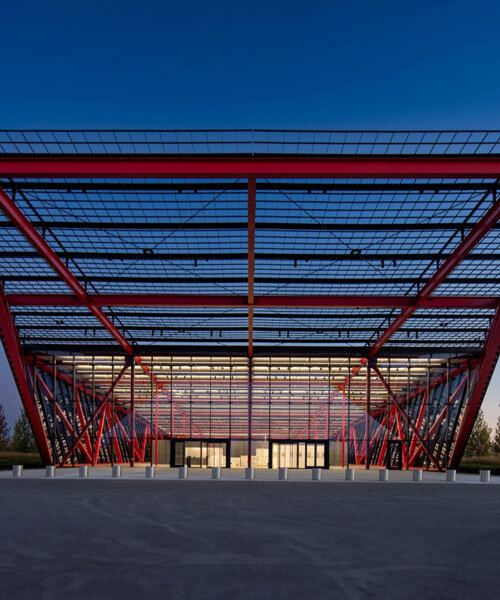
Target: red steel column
{"type": "Point", "coordinates": [156, 425]}
{"type": "Point", "coordinates": [132, 413]}
{"type": "Point", "coordinates": [251, 259]}
{"type": "Point", "coordinates": [12, 349]}
{"type": "Point", "coordinates": [250, 393]}
{"type": "Point", "coordinates": [343, 427]}
{"type": "Point", "coordinates": [367, 416]}
{"type": "Point", "coordinates": [487, 363]}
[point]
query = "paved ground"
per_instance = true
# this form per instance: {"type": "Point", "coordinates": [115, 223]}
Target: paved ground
{"type": "Point", "coordinates": [103, 538]}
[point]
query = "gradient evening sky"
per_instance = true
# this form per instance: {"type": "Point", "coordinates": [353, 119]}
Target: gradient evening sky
{"type": "Point", "coordinates": [276, 64]}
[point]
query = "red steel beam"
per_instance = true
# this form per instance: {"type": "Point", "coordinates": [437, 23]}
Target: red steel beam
{"type": "Point", "coordinates": [296, 167]}
{"type": "Point", "coordinates": [228, 301]}
{"type": "Point", "coordinates": [489, 357]}
{"type": "Point", "coordinates": [40, 245]}
{"type": "Point", "coordinates": [24, 227]}
{"type": "Point", "coordinates": [12, 349]}
{"type": "Point", "coordinates": [470, 241]}
{"type": "Point", "coordinates": [251, 259]}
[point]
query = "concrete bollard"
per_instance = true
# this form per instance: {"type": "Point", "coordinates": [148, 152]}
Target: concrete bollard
{"type": "Point", "coordinates": [50, 471]}
{"type": "Point", "coordinates": [250, 473]}
{"type": "Point", "coordinates": [383, 475]}
{"type": "Point", "coordinates": [349, 474]}
{"type": "Point", "coordinates": [183, 472]}
{"type": "Point", "coordinates": [116, 471]}
{"type": "Point", "coordinates": [83, 471]}
{"type": "Point", "coordinates": [216, 472]}
{"type": "Point", "coordinates": [17, 470]}
{"type": "Point", "coordinates": [417, 475]}
{"type": "Point", "coordinates": [451, 475]}
{"type": "Point", "coordinates": [150, 472]}
{"type": "Point", "coordinates": [283, 473]}
{"type": "Point", "coordinates": [316, 474]}
{"type": "Point", "coordinates": [484, 475]}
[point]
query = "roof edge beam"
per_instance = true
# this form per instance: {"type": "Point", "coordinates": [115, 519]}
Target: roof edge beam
{"type": "Point", "coordinates": [288, 167]}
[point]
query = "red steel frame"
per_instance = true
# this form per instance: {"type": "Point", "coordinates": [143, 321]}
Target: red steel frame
{"type": "Point", "coordinates": [14, 354]}
{"type": "Point", "coordinates": [235, 301]}
{"type": "Point", "coordinates": [252, 168]}
{"type": "Point", "coordinates": [227, 167]}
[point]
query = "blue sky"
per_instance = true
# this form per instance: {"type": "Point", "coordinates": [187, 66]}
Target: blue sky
{"type": "Point", "coordinates": [190, 64]}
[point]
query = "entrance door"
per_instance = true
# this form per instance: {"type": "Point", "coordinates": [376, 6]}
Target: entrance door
{"type": "Point", "coordinates": [200, 454]}
{"type": "Point", "coordinates": [298, 455]}
{"type": "Point", "coordinates": [216, 456]}
{"type": "Point", "coordinates": [284, 455]}
{"type": "Point", "coordinates": [395, 454]}
{"type": "Point", "coordinates": [178, 454]}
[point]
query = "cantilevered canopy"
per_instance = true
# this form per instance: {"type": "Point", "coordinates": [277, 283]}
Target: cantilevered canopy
{"type": "Point", "coordinates": [358, 243]}
{"type": "Point", "coordinates": [263, 285]}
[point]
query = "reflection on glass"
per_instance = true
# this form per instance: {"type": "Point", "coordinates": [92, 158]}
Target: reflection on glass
{"type": "Point", "coordinates": [302, 455]}
{"type": "Point", "coordinates": [200, 454]}
{"type": "Point", "coordinates": [179, 454]}
{"type": "Point", "coordinates": [293, 455]}
{"type": "Point", "coordinates": [310, 455]}
{"type": "Point", "coordinates": [320, 455]}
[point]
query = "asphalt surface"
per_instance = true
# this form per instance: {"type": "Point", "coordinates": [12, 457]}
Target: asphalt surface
{"type": "Point", "coordinates": [62, 538]}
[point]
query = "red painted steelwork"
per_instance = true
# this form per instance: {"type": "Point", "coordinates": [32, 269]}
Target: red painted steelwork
{"type": "Point", "coordinates": [62, 416]}
{"type": "Point", "coordinates": [400, 410]}
{"type": "Point", "coordinates": [11, 211]}
{"type": "Point", "coordinates": [35, 239]}
{"type": "Point", "coordinates": [288, 166]}
{"type": "Point", "coordinates": [470, 241]}
{"type": "Point", "coordinates": [367, 416]}
{"type": "Point", "coordinates": [420, 419]}
{"type": "Point", "coordinates": [102, 404]}
{"type": "Point", "coordinates": [132, 414]}
{"type": "Point", "coordinates": [251, 259]}
{"type": "Point", "coordinates": [12, 349]}
{"type": "Point", "coordinates": [229, 301]}
{"type": "Point", "coordinates": [439, 419]}
{"type": "Point", "coordinates": [487, 363]}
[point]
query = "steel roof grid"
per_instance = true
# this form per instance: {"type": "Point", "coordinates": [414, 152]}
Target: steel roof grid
{"type": "Point", "coordinates": [251, 141]}
{"type": "Point", "coordinates": [99, 213]}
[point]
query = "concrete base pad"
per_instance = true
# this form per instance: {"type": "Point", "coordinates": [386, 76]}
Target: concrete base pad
{"type": "Point", "coordinates": [247, 539]}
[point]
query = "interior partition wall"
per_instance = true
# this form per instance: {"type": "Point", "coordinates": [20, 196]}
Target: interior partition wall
{"type": "Point", "coordinates": [299, 412]}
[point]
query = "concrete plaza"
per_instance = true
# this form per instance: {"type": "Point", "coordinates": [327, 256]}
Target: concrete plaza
{"type": "Point", "coordinates": [136, 538]}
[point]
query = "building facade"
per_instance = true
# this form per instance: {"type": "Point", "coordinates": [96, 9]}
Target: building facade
{"type": "Point", "coordinates": [264, 298]}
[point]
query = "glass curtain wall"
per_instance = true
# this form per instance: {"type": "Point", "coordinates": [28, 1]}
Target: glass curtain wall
{"type": "Point", "coordinates": [103, 410]}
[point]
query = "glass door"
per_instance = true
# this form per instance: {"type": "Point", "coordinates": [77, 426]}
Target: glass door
{"type": "Point", "coordinates": [311, 455]}
{"type": "Point", "coordinates": [395, 454]}
{"type": "Point", "coordinates": [179, 454]}
{"type": "Point", "coordinates": [201, 454]}
{"type": "Point", "coordinates": [193, 452]}
{"type": "Point", "coordinates": [320, 455]}
{"type": "Point", "coordinates": [216, 455]}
